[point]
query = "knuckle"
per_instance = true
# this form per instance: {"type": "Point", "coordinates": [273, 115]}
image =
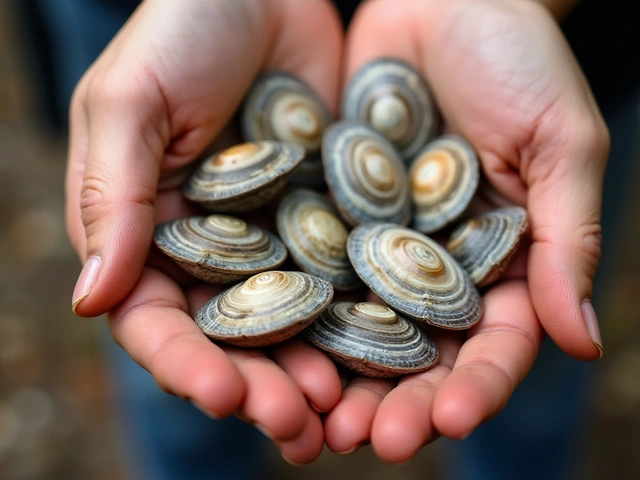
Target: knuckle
{"type": "Point", "coordinates": [93, 200]}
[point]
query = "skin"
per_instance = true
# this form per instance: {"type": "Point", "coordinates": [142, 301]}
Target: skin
{"type": "Point", "coordinates": [166, 87]}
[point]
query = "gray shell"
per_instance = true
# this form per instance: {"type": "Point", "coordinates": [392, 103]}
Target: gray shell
{"type": "Point", "coordinates": [366, 176]}
{"type": "Point", "coordinates": [372, 340]}
{"type": "Point", "coordinates": [268, 308]}
{"type": "Point", "coordinates": [444, 177]}
{"type": "Point", "coordinates": [484, 245]}
{"type": "Point", "coordinates": [244, 177]}
{"type": "Point", "coordinates": [219, 248]}
{"type": "Point", "coordinates": [282, 107]}
{"type": "Point", "coordinates": [392, 97]}
{"type": "Point", "coordinates": [414, 275]}
{"type": "Point", "coordinates": [316, 237]}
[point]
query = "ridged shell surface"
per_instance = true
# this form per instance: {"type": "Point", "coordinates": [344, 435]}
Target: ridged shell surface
{"type": "Point", "coordinates": [366, 176]}
{"type": "Point", "coordinates": [316, 237]}
{"type": "Point", "coordinates": [414, 275]}
{"type": "Point", "coordinates": [268, 308]}
{"type": "Point", "coordinates": [392, 97]}
{"type": "Point", "coordinates": [484, 245]}
{"type": "Point", "coordinates": [282, 107]}
{"type": "Point", "coordinates": [444, 177]}
{"type": "Point", "coordinates": [244, 177]}
{"type": "Point", "coordinates": [372, 340]}
{"type": "Point", "coordinates": [219, 248]}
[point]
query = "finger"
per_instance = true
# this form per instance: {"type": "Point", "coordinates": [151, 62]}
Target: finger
{"type": "Point", "coordinates": [403, 423]}
{"type": "Point", "coordinates": [153, 327]}
{"type": "Point", "coordinates": [348, 425]}
{"type": "Point", "coordinates": [497, 355]}
{"type": "Point", "coordinates": [273, 402]}
{"type": "Point", "coordinates": [307, 446]}
{"type": "Point", "coordinates": [312, 370]}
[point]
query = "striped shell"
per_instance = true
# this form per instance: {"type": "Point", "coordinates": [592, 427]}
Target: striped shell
{"type": "Point", "coordinates": [372, 340]}
{"type": "Point", "coordinates": [219, 248]}
{"type": "Point", "coordinates": [392, 97]}
{"type": "Point", "coordinates": [244, 177]}
{"type": "Point", "coordinates": [268, 308]}
{"type": "Point", "coordinates": [365, 175]}
{"type": "Point", "coordinates": [414, 275]}
{"type": "Point", "coordinates": [484, 245]}
{"type": "Point", "coordinates": [281, 107]}
{"type": "Point", "coordinates": [444, 177]}
{"type": "Point", "coordinates": [316, 237]}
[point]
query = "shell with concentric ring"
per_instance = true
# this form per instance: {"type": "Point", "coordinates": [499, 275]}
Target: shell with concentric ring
{"type": "Point", "coordinates": [267, 308]}
{"type": "Point", "coordinates": [244, 177]}
{"type": "Point", "coordinates": [444, 177]}
{"type": "Point", "coordinates": [484, 245]}
{"type": "Point", "coordinates": [316, 238]}
{"type": "Point", "coordinates": [414, 275]}
{"type": "Point", "coordinates": [372, 340]}
{"type": "Point", "coordinates": [392, 97]}
{"type": "Point", "coordinates": [365, 175]}
{"type": "Point", "coordinates": [219, 248]}
{"type": "Point", "coordinates": [280, 106]}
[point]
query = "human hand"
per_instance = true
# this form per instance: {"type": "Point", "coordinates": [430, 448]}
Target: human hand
{"type": "Point", "coordinates": [163, 89]}
{"type": "Point", "coordinates": [505, 79]}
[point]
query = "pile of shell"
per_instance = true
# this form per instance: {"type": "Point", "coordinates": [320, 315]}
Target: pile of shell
{"type": "Point", "coordinates": [384, 170]}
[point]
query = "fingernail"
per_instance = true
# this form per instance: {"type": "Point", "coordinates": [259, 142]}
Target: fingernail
{"type": "Point", "coordinates": [348, 452]}
{"type": "Point", "coordinates": [290, 462]}
{"type": "Point", "coordinates": [591, 321]}
{"type": "Point", "coordinates": [204, 410]}
{"type": "Point", "coordinates": [262, 430]}
{"type": "Point", "coordinates": [86, 281]}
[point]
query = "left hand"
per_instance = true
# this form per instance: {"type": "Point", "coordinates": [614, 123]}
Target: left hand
{"type": "Point", "coordinates": [506, 80]}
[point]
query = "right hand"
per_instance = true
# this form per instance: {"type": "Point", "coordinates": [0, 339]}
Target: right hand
{"type": "Point", "coordinates": [160, 93]}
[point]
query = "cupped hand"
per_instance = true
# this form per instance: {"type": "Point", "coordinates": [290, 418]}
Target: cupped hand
{"type": "Point", "coordinates": [505, 79]}
{"type": "Point", "coordinates": [163, 89]}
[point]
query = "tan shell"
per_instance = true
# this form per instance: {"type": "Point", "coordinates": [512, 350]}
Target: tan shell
{"type": "Point", "coordinates": [444, 177]}
{"type": "Point", "coordinates": [414, 275]}
{"type": "Point", "coordinates": [372, 340]}
{"type": "Point", "coordinates": [316, 237]}
{"type": "Point", "coordinates": [366, 176]}
{"type": "Point", "coordinates": [484, 245]}
{"type": "Point", "coordinates": [219, 248]}
{"type": "Point", "coordinates": [282, 107]}
{"type": "Point", "coordinates": [392, 97]}
{"type": "Point", "coordinates": [268, 308]}
{"type": "Point", "coordinates": [244, 177]}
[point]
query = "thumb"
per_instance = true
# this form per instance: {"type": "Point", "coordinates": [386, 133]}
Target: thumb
{"type": "Point", "coordinates": [564, 204]}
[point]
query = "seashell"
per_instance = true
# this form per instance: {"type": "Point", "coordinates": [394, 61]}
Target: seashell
{"type": "Point", "coordinates": [316, 237]}
{"type": "Point", "coordinates": [365, 175]}
{"type": "Point", "coordinates": [282, 107]}
{"type": "Point", "coordinates": [392, 97]}
{"type": "Point", "coordinates": [372, 340]}
{"type": "Point", "coordinates": [219, 248]}
{"type": "Point", "coordinates": [444, 177]}
{"type": "Point", "coordinates": [268, 308]}
{"type": "Point", "coordinates": [414, 275]}
{"type": "Point", "coordinates": [244, 177]}
{"type": "Point", "coordinates": [484, 245]}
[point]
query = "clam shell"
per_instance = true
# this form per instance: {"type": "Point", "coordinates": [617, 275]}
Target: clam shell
{"type": "Point", "coordinates": [392, 97]}
{"type": "Point", "coordinates": [444, 177]}
{"type": "Point", "coordinates": [372, 340]}
{"type": "Point", "coordinates": [366, 176]}
{"type": "Point", "coordinates": [219, 248]}
{"type": "Point", "coordinates": [282, 107]}
{"type": "Point", "coordinates": [484, 245]}
{"type": "Point", "coordinates": [414, 275]}
{"type": "Point", "coordinates": [244, 177]}
{"type": "Point", "coordinates": [268, 308]}
{"type": "Point", "coordinates": [316, 237]}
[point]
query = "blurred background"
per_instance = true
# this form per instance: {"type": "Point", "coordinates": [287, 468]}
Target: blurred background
{"type": "Point", "coordinates": [56, 420]}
